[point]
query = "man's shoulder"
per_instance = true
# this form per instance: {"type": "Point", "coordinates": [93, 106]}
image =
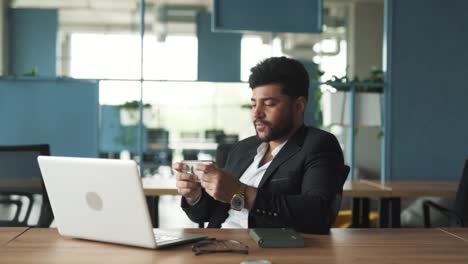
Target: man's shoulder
{"type": "Point", "coordinates": [318, 139]}
{"type": "Point", "coordinates": [314, 132]}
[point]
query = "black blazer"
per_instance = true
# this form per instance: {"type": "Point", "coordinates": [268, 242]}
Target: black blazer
{"type": "Point", "coordinates": [297, 190]}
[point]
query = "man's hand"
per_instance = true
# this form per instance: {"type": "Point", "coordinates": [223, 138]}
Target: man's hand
{"type": "Point", "coordinates": [217, 183]}
{"type": "Point", "coordinates": [187, 184]}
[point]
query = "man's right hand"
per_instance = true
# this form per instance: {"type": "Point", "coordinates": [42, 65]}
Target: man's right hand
{"type": "Point", "coordinates": [187, 184]}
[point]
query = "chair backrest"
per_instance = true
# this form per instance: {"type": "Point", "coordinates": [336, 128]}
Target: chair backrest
{"type": "Point", "coordinates": [336, 203]}
{"type": "Point", "coordinates": [345, 175]}
{"type": "Point", "coordinates": [461, 200]}
{"type": "Point", "coordinates": [213, 133]}
{"type": "Point", "coordinates": [20, 175]}
{"type": "Point", "coordinates": [222, 152]}
{"type": "Point", "coordinates": [158, 136]}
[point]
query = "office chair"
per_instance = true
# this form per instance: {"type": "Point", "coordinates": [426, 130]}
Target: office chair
{"type": "Point", "coordinates": [214, 134]}
{"type": "Point", "coordinates": [458, 216]}
{"type": "Point", "coordinates": [20, 176]}
{"type": "Point", "coordinates": [222, 152]}
{"type": "Point", "coordinates": [336, 203]}
{"type": "Point", "coordinates": [157, 153]}
{"type": "Point", "coordinates": [227, 139]}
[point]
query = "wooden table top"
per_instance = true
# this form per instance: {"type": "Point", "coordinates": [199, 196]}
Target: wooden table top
{"type": "Point", "coordinates": [419, 188]}
{"type": "Point", "coordinates": [341, 246]}
{"type": "Point", "coordinates": [191, 144]}
{"type": "Point", "coordinates": [461, 233]}
{"type": "Point", "coordinates": [21, 185]}
{"type": "Point", "coordinates": [361, 188]}
{"type": "Point", "coordinates": [155, 186]}
{"type": "Point", "coordinates": [8, 233]}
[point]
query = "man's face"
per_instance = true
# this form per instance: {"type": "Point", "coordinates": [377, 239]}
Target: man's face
{"type": "Point", "coordinates": [272, 112]}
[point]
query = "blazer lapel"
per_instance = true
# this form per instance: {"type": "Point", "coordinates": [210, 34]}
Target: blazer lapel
{"type": "Point", "coordinates": [292, 147]}
{"type": "Point", "coordinates": [244, 162]}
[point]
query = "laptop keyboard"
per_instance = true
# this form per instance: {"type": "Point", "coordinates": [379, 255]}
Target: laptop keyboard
{"type": "Point", "coordinates": [165, 238]}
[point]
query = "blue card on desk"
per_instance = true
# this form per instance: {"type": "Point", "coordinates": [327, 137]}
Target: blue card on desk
{"type": "Point", "coordinates": [277, 237]}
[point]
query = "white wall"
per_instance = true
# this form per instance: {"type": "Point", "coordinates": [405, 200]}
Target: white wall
{"type": "Point", "coordinates": [365, 51]}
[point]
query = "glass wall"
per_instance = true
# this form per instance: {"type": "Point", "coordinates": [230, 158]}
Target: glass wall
{"type": "Point", "coordinates": [193, 115]}
{"type": "Point", "coordinates": [182, 118]}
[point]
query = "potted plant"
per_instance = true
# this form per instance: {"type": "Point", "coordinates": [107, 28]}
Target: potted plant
{"type": "Point", "coordinates": [130, 113]}
{"type": "Point", "coordinates": [336, 104]}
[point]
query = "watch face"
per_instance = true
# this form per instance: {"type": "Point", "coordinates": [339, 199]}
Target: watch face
{"type": "Point", "coordinates": [237, 202]}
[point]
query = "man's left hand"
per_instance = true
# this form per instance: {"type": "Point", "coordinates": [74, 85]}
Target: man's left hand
{"type": "Point", "coordinates": [218, 184]}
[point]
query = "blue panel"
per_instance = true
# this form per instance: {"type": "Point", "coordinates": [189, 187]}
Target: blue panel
{"type": "Point", "coordinates": [62, 113]}
{"type": "Point", "coordinates": [268, 15]}
{"type": "Point", "coordinates": [218, 53]}
{"type": "Point", "coordinates": [33, 41]}
{"type": "Point", "coordinates": [429, 93]}
{"type": "Point", "coordinates": [113, 136]}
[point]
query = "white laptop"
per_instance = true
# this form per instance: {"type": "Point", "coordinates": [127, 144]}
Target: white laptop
{"type": "Point", "coordinates": [103, 200]}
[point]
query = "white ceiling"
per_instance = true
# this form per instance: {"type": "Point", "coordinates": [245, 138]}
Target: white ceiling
{"type": "Point", "coordinates": [124, 15]}
{"type": "Point", "coordinates": [108, 15]}
{"type": "Point", "coordinates": [124, 5]}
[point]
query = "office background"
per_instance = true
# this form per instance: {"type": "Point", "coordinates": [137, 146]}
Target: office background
{"type": "Point", "coordinates": [69, 67]}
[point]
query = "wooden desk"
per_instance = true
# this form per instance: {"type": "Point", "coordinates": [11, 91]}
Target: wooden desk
{"type": "Point", "coordinates": [361, 193]}
{"type": "Point", "coordinates": [412, 189]}
{"type": "Point", "coordinates": [198, 145]}
{"type": "Point", "coordinates": [461, 233]}
{"type": "Point", "coordinates": [155, 186]}
{"type": "Point", "coordinates": [363, 189]}
{"type": "Point", "coordinates": [9, 233]}
{"type": "Point", "coordinates": [21, 185]}
{"type": "Point", "coordinates": [341, 246]}
{"type": "Point", "coordinates": [390, 206]}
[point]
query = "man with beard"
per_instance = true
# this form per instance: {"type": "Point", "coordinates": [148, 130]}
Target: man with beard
{"type": "Point", "coordinates": [288, 175]}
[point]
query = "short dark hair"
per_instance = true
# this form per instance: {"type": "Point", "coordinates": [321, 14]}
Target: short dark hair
{"type": "Point", "coordinates": [290, 74]}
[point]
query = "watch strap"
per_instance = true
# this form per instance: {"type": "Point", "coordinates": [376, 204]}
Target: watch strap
{"type": "Point", "coordinates": [242, 188]}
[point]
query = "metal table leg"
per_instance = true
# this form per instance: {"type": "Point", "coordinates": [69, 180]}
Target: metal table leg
{"type": "Point", "coordinates": [355, 212]}
{"type": "Point", "coordinates": [395, 211]}
{"type": "Point", "coordinates": [384, 212]}
{"type": "Point", "coordinates": [153, 208]}
{"type": "Point", "coordinates": [389, 212]}
{"type": "Point", "coordinates": [360, 212]}
{"type": "Point", "coordinates": [365, 209]}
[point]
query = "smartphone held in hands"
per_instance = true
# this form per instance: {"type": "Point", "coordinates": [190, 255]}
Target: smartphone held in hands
{"type": "Point", "coordinates": [190, 167]}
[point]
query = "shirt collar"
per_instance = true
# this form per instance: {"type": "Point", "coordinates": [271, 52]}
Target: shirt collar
{"type": "Point", "coordinates": [264, 146]}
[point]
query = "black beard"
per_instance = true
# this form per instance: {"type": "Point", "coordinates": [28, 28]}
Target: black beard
{"type": "Point", "coordinates": [275, 132]}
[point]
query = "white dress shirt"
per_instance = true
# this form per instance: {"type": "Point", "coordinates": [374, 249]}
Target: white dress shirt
{"type": "Point", "coordinates": [251, 177]}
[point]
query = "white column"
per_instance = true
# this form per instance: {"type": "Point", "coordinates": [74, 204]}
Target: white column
{"type": "Point", "coordinates": [365, 34]}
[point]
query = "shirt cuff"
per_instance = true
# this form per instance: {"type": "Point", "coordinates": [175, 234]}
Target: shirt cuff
{"type": "Point", "coordinates": [196, 201]}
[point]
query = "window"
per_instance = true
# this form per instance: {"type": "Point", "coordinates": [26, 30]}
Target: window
{"type": "Point", "coordinates": [117, 56]}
